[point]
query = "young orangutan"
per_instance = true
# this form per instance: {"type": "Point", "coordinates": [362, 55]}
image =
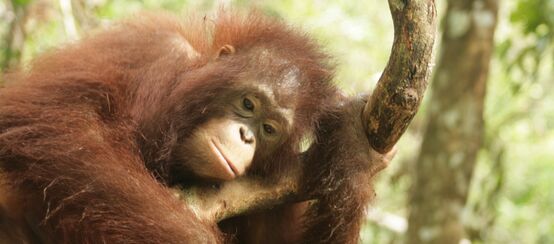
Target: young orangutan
{"type": "Point", "coordinates": [94, 134]}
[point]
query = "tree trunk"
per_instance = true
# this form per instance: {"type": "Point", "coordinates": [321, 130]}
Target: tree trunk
{"type": "Point", "coordinates": [454, 133]}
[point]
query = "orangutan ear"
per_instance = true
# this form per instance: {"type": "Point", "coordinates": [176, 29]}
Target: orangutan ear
{"type": "Point", "coordinates": [225, 50]}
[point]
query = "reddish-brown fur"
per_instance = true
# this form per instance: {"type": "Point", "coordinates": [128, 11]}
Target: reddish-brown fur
{"type": "Point", "coordinates": [87, 133]}
{"type": "Point", "coordinates": [339, 167]}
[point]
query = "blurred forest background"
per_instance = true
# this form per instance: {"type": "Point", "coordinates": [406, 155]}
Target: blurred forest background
{"type": "Point", "coordinates": [477, 163]}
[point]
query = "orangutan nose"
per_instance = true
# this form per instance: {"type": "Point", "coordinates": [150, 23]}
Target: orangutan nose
{"type": "Point", "coordinates": [246, 135]}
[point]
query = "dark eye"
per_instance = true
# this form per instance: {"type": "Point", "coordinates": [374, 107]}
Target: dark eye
{"type": "Point", "coordinates": [269, 129]}
{"type": "Point", "coordinates": [248, 105]}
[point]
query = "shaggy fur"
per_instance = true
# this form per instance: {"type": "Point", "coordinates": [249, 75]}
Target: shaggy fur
{"type": "Point", "coordinates": [87, 132]}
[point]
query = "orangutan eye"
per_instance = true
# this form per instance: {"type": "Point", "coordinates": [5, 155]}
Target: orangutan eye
{"type": "Point", "coordinates": [269, 129]}
{"type": "Point", "coordinates": [248, 105]}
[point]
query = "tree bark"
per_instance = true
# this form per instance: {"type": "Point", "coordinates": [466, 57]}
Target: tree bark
{"type": "Point", "coordinates": [387, 114]}
{"type": "Point", "coordinates": [454, 132]}
{"type": "Point", "coordinates": [400, 89]}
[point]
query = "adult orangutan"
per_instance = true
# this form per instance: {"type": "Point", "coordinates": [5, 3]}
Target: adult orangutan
{"type": "Point", "coordinates": [94, 134]}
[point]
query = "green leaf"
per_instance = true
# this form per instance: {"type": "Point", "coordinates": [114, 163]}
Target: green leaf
{"type": "Point", "coordinates": [21, 2]}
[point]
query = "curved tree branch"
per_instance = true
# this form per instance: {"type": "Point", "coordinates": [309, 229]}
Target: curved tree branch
{"type": "Point", "coordinates": [399, 92]}
{"type": "Point", "coordinates": [387, 114]}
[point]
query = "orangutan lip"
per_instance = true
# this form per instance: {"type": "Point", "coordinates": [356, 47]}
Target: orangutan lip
{"type": "Point", "coordinates": [220, 153]}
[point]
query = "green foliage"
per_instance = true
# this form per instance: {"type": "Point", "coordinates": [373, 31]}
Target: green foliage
{"type": "Point", "coordinates": [524, 56]}
{"type": "Point", "coordinates": [535, 16]}
{"type": "Point", "coordinates": [21, 2]}
{"type": "Point", "coordinates": [520, 124]}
